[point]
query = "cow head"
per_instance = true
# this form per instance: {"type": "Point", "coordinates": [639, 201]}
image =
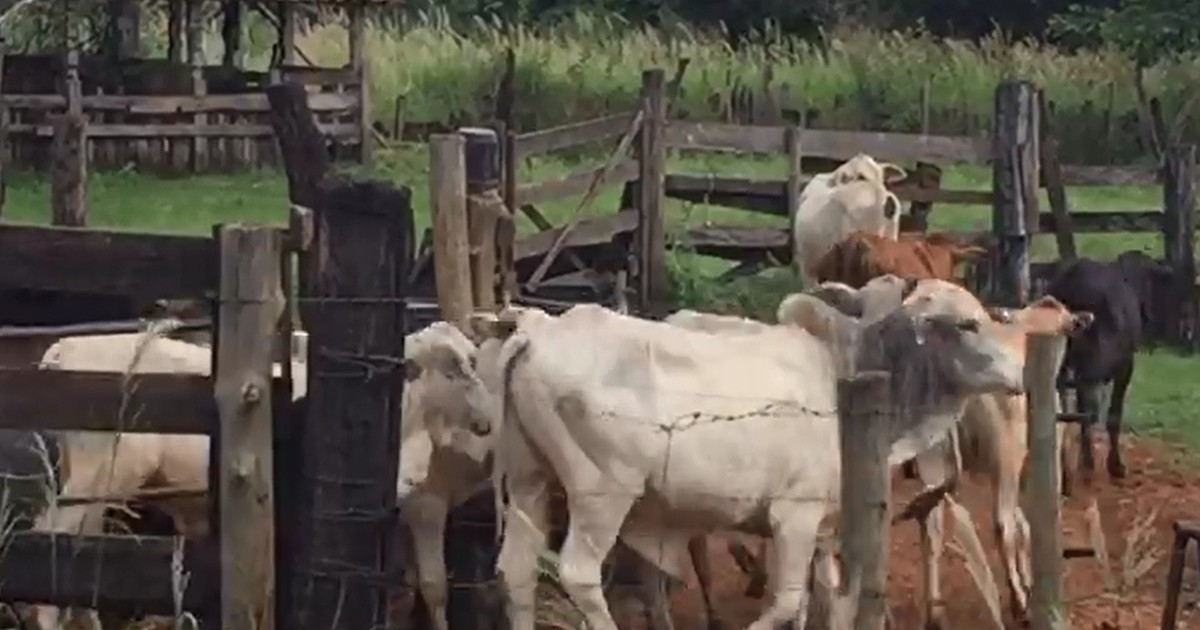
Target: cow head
{"type": "Point", "coordinates": [879, 295]}
{"type": "Point", "coordinates": [863, 167]}
{"type": "Point", "coordinates": [442, 358]}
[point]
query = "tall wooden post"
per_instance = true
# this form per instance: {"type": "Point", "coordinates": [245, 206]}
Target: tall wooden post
{"type": "Point", "coordinates": [1043, 356]}
{"type": "Point", "coordinates": [68, 185]}
{"type": "Point", "coordinates": [864, 425]}
{"type": "Point", "coordinates": [506, 231]}
{"type": "Point", "coordinates": [252, 302]}
{"type": "Point", "coordinates": [481, 155]}
{"type": "Point", "coordinates": [287, 31]}
{"type": "Point", "coordinates": [652, 155]}
{"type": "Point", "coordinates": [356, 386]}
{"type": "Point", "coordinates": [175, 18]}
{"type": "Point", "coordinates": [357, 34]}
{"type": "Point", "coordinates": [4, 148]}
{"type": "Point", "coordinates": [451, 248]}
{"type": "Point", "coordinates": [795, 182]}
{"type": "Point", "coordinates": [1014, 189]}
{"type": "Point", "coordinates": [125, 28]}
{"type": "Point", "coordinates": [1179, 242]}
{"type": "Point", "coordinates": [231, 34]}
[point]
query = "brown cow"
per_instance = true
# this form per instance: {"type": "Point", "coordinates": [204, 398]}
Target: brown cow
{"type": "Point", "coordinates": [862, 256]}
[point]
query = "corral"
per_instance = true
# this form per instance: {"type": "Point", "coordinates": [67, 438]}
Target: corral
{"type": "Point", "coordinates": [538, 269]}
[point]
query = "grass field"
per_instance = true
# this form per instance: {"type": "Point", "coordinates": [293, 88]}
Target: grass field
{"type": "Point", "coordinates": [1162, 401]}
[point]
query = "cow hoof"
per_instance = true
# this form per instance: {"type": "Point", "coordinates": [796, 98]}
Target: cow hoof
{"type": "Point", "coordinates": [1116, 469]}
{"type": "Point", "coordinates": [715, 624]}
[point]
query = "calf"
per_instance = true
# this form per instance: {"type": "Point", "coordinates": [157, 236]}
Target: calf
{"type": "Point", "coordinates": [862, 256]}
{"type": "Point", "coordinates": [1123, 296]}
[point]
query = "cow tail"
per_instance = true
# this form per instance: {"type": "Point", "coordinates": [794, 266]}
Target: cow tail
{"type": "Point", "coordinates": [514, 350]}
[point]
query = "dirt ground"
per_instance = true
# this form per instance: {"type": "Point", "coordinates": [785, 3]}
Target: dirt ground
{"type": "Point", "coordinates": [1156, 482]}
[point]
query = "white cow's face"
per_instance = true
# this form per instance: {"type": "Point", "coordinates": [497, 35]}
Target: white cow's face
{"type": "Point", "coordinates": [453, 396]}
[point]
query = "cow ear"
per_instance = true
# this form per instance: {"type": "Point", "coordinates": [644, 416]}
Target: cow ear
{"type": "Point", "coordinates": [893, 174]}
{"type": "Point", "coordinates": [814, 315]}
{"type": "Point", "coordinates": [1000, 314]}
{"type": "Point", "coordinates": [1081, 321]}
{"type": "Point", "coordinates": [840, 296]}
{"type": "Point", "coordinates": [412, 371]}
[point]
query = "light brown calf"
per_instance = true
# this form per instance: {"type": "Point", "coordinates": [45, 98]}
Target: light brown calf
{"type": "Point", "coordinates": [862, 256]}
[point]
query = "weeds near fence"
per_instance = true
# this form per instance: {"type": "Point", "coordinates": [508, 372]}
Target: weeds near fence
{"type": "Point", "coordinates": [1122, 577]}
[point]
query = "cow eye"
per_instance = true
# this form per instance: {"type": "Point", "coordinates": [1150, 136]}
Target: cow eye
{"type": "Point", "coordinates": [968, 325]}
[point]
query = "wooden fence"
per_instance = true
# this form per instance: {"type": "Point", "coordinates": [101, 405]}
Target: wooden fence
{"type": "Point", "coordinates": [170, 117]}
{"type": "Point", "coordinates": [294, 526]}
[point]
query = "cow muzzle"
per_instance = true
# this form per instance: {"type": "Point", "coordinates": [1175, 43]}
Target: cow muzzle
{"type": "Point", "coordinates": [481, 427]}
{"type": "Point", "coordinates": [891, 207]}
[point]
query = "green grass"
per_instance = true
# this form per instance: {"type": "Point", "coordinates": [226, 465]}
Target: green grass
{"type": "Point", "coordinates": [1162, 401]}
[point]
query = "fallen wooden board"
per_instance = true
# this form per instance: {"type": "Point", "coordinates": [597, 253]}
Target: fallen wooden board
{"type": "Point", "coordinates": [736, 242]}
{"type": "Point", "coordinates": [596, 231]}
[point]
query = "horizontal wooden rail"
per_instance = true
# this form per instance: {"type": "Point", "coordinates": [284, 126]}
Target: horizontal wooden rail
{"type": "Point", "coordinates": [597, 231]}
{"type": "Point", "coordinates": [840, 145]}
{"type": "Point", "coordinates": [341, 131]}
{"type": "Point", "coordinates": [576, 183]}
{"type": "Point", "coordinates": [549, 140]}
{"type": "Point", "coordinates": [106, 262]}
{"type": "Point", "coordinates": [736, 242]}
{"type": "Point", "coordinates": [63, 400]}
{"type": "Point", "coordinates": [121, 573]}
{"type": "Point", "coordinates": [178, 104]}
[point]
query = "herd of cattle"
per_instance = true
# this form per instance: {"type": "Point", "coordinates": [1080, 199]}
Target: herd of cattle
{"type": "Point", "coordinates": [646, 436]}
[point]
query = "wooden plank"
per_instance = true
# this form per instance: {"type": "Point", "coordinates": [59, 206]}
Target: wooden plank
{"type": "Point", "coordinates": [651, 234]}
{"type": "Point", "coordinates": [795, 180]}
{"type": "Point", "coordinates": [62, 400]}
{"type": "Point", "coordinates": [1041, 370]}
{"type": "Point", "coordinates": [119, 573]}
{"type": "Point", "coordinates": [575, 183]}
{"type": "Point", "coordinates": [341, 131]}
{"type": "Point", "coordinates": [325, 102]}
{"type": "Point", "coordinates": [252, 302]}
{"type": "Point", "coordinates": [864, 405]}
{"type": "Point", "coordinates": [1105, 222]}
{"type": "Point", "coordinates": [1179, 241]}
{"type": "Point", "coordinates": [738, 242]}
{"type": "Point", "coordinates": [1077, 175]}
{"type": "Point", "coordinates": [68, 174]}
{"type": "Point", "coordinates": [841, 145]}
{"type": "Point", "coordinates": [1053, 182]}
{"type": "Point", "coordinates": [101, 261]}
{"type": "Point", "coordinates": [572, 135]}
{"type": "Point", "coordinates": [587, 232]}
{"type": "Point", "coordinates": [451, 250]}
{"type": "Point", "coordinates": [480, 153]}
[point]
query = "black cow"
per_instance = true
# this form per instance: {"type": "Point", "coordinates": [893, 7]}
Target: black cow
{"type": "Point", "coordinates": [1123, 295]}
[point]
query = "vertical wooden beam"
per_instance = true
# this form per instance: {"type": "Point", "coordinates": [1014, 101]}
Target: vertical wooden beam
{"type": "Point", "coordinates": [1179, 240]}
{"type": "Point", "coordinates": [364, 231]}
{"type": "Point", "coordinates": [68, 178]}
{"type": "Point", "coordinates": [366, 138]}
{"type": "Point", "coordinates": [1056, 190]}
{"type": "Point", "coordinates": [1044, 356]}
{"type": "Point", "coordinates": [195, 32]}
{"type": "Point", "coordinates": [5, 150]}
{"type": "Point", "coordinates": [506, 230]}
{"type": "Point", "coordinates": [287, 31]}
{"type": "Point", "coordinates": [481, 158]}
{"type": "Point", "coordinates": [451, 251]}
{"type": "Point", "coordinates": [651, 229]}
{"type": "Point", "coordinates": [251, 303]}
{"type": "Point", "coordinates": [231, 34]}
{"type": "Point", "coordinates": [1014, 189]}
{"type": "Point", "coordinates": [358, 35]}
{"type": "Point", "coordinates": [125, 28]}
{"type": "Point", "coordinates": [795, 182]}
{"type": "Point", "coordinates": [175, 18]}
{"type": "Point", "coordinates": [864, 423]}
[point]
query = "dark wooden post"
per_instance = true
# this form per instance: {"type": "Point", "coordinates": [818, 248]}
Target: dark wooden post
{"type": "Point", "coordinates": [252, 302]}
{"type": "Point", "coordinates": [864, 426]}
{"type": "Point", "coordinates": [231, 34]}
{"type": "Point", "coordinates": [353, 410]}
{"type": "Point", "coordinates": [175, 15]}
{"type": "Point", "coordinates": [287, 31]}
{"type": "Point", "coordinates": [652, 156]}
{"type": "Point", "coordinates": [1014, 189]}
{"type": "Point", "coordinates": [481, 157]}
{"type": "Point", "coordinates": [125, 28]}
{"type": "Point", "coordinates": [68, 177]}
{"type": "Point", "coordinates": [4, 148]}
{"type": "Point", "coordinates": [1179, 241]}
{"type": "Point", "coordinates": [1044, 354]}
{"type": "Point", "coordinates": [451, 243]}
{"type": "Point", "coordinates": [305, 159]}
{"type": "Point", "coordinates": [506, 231]}
{"type": "Point", "coordinates": [1055, 188]}
{"type": "Point", "coordinates": [795, 182]}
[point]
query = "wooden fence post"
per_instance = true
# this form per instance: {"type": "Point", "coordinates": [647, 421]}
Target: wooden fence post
{"type": "Point", "coordinates": [68, 184]}
{"type": "Point", "coordinates": [1044, 355]}
{"type": "Point", "coordinates": [1179, 242]}
{"type": "Point", "coordinates": [451, 250]}
{"type": "Point", "coordinates": [864, 424]}
{"type": "Point", "coordinates": [5, 150]}
{"type": "Point", "coordinates": [481, 159]}
{"type": "Point", "coordinates": [251, 304]}
{"type": "Point", "coordinates": [353, 408]}
{"type": "Point", "coordinates": [1056, 191]}
{"type": "Point", "coordinates": [506, 231]}
{"type": "Point", "coordinates": [1014, 189]}
{"type": "Point", "coordinates": [795, 181]}
{"type": "Point", "coordinates": [652, 156]}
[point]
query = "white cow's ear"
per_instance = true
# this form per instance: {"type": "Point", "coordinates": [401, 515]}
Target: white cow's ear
{"type": "Point", "coordinates": [412, 371]}
{"type": "Point", "coordinates": [841, 296]}
{"type": "Point", "coordinates": [892, 173]}
{"type": "Point", "coordinates": [815, 316]}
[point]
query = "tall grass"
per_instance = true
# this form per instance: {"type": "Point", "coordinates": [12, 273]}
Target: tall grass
{"type": "Point", "coordinates": [589, 65]}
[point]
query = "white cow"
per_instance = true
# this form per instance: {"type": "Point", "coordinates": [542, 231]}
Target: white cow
{"type": "Point", "coordinates": [100, 464]}
{"type": "Point", "coordinates": [658, 434]}
{"type": "Point", "coordinates": [832, 205]}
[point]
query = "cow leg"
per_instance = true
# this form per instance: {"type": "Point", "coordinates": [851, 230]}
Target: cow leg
{"type": "Point", "coordinates": [595, 519]}
{"type": "Point", "coordinates": [1088, 401]}
{"type": "Point", "coordinates": [795, 531]}
{"type": "Point", "coordinates": [698, 550]}
{"type": "Point", "coordinates": [526, 523]}
{"type": "Point", "coordinates": [1116, 409]}
{"type": "Point", "coordinates": [1007, 513]}
{"type": "Point", "coordinates": [426, 515]}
